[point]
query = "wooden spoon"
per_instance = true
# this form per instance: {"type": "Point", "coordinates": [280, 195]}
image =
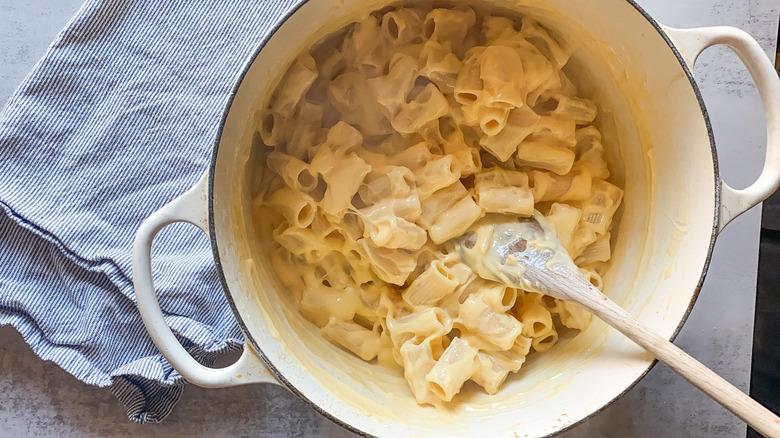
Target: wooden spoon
{"type": "Point", "coordinates": [526, 254]}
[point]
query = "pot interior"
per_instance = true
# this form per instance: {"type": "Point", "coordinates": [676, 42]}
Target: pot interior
{"type": "Point", "coordinates": [660, 152]}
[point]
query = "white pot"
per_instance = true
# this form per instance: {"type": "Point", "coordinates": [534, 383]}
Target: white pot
{"type": "Point", "coordinates": [675, 204]}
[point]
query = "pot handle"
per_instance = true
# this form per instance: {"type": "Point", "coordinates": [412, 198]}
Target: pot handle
{"type": "Point", "coordinates": [691, 43]}
{"type": "Point", "coordinates": [191, 208]}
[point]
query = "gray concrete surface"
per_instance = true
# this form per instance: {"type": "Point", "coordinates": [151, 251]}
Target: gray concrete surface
{"type": "Point", "coordinates": [38, 399]}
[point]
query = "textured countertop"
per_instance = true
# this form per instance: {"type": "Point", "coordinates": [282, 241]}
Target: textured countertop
{"type": "Point", "coordinates": [38, 399]}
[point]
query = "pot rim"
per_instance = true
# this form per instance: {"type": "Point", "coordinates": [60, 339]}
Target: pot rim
{"type": "Point", "coordinates": [289, 386]}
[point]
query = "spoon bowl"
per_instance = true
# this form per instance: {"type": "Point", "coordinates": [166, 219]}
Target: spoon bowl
{"type": "Point", "coordinates": [523, 253]}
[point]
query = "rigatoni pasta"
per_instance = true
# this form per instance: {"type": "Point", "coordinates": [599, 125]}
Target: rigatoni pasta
{"type": "Point", "coordinates": [396, 135]}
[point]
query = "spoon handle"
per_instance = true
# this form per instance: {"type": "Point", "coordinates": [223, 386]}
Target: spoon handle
{"type": "Point", "coordinates": [730, 397]}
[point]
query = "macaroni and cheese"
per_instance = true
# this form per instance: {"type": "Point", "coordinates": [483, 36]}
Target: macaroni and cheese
{"type": "Point", "coordinates": [394, 136]}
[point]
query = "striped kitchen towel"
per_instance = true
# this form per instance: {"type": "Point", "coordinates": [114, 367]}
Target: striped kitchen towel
{"type": "Point", "coordinates": [117, 119]}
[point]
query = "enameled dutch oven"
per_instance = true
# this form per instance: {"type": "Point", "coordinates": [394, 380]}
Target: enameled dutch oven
{"type": "Point", "coordinates": [662, 152]}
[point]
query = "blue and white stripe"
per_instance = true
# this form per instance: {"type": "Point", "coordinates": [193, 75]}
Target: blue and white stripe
{"type": "Point", "coordinates": [117, 119]}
